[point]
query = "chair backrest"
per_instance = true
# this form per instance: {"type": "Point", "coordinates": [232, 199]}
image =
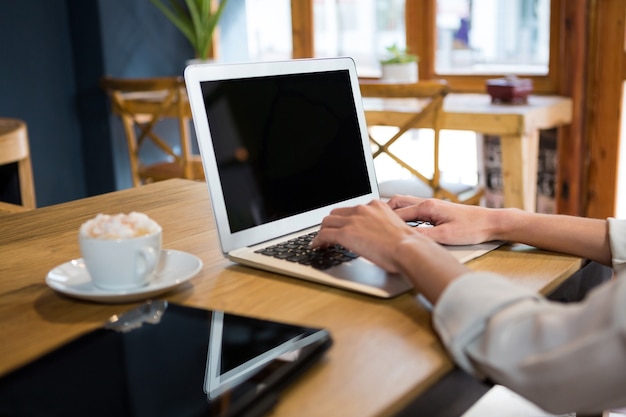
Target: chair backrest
{"type": "Point", "coordinates": [430, 95]}
{"type": "Point", "coordinates": [141, 103]}
{"type": "Point", "coordinates": [419, 89]}
{"type": "Point", "coordinates": [14, 148]}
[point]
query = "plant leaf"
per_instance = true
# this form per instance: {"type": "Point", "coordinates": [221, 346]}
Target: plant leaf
{"type": "Point", "coordinates": [198, 27]}
{"type": "Point", "coordinates": [177, 17]}
{"type": "Point", "coordinates": [196, 21]}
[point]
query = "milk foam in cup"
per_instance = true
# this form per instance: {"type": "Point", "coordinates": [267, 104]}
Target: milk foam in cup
{"type": "Point", "coordinates": [120, 251]}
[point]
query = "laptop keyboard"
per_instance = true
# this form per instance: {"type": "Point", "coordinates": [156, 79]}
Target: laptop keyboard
{"type": "Point", "coordinates": [299, 250]}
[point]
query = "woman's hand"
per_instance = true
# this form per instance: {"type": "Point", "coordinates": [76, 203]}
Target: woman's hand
{"type": "Point", "coordinates": [371, 230]}
{"type": "Point", "coordinates": [454, 224]}
{"type": "Point", "coordinates": [460, 224]}
{"type": "Point", "coordinates": [377, 233]}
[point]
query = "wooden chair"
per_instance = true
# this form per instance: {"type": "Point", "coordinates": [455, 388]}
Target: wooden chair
{"type": "Point", "coordinates": [14, 149]}
{"type": "Point", "coordinates": [141, 104]}
{"type": "Point", "coordinates": [425, 111]}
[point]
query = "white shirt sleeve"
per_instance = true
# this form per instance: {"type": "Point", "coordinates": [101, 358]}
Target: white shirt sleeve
{"type": "Point", "coordinates": [563, 357]}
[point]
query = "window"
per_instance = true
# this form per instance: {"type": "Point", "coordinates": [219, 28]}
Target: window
{"type": "Point", "coordinates": [246, 35]}
{"type": "Point", "coordinates": [362, 29]}
{"type": "Point", "coordinates": [463, 41]}
{"type": "Point", "coordinates": [472, 36]}
{"type": "Point", "coordinates": [469, 41]}
{"type": "Point", "coordinates": [493, 37]}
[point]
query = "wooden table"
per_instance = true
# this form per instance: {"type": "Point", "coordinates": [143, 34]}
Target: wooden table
{"type": "Point", "coordinates": [385, 352]}
{"type": "Point", "coordinates": [518, 126]}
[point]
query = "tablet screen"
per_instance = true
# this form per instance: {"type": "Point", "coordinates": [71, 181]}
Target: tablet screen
{"type": "Point", "coordinates": [166, 360]}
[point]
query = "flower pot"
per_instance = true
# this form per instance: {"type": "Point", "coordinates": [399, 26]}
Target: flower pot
{"type": "Point", "coordinates": [400, 73]}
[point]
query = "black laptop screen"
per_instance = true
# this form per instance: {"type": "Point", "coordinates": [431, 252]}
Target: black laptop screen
{"type": "Point", "coordinates": [285, 144]}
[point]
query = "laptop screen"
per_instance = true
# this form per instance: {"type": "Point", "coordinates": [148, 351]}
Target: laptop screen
{"type": "Point", "coordinates": [285, 144]}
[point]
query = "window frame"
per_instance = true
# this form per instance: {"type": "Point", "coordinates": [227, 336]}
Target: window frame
{"type": "Point", "coordinates": [420, 18]}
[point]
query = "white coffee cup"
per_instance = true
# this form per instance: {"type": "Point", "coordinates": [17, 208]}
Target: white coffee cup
{"type": "Point", "coordinates": [120, 263]}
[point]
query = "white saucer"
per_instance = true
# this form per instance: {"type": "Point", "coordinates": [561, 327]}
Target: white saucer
{"type": "Point", "coordinates": [72, 278]}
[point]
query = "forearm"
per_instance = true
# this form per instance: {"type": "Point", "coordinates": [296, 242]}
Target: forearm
{"type": "Point", "coordinates": [429, 267]}
{"type": "Point", "coordinates": [578, 236]}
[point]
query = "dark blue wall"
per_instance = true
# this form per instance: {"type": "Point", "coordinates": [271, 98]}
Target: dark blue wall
{"type": "Point", "coordinates": [53, 53]}
{"type": "Point", "coordinates": [138, 41]}
{"type": "Point", "coordinates": [37, 85]}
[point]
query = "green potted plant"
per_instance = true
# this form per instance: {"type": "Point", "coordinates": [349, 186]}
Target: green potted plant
{"type": "Point", "coordinates": [398, 65]}
{"type": "Point", "coordinates": [195, 19]}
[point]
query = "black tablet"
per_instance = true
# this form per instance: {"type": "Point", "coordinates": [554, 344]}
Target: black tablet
{"type": "Point", "coordinates": [166, 360]}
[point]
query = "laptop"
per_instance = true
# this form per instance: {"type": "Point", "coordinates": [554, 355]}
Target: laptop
{"type": "Point", "coordinates": [282, 144]}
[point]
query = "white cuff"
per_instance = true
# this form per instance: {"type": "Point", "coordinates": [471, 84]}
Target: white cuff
{"type": "Point", "coordinates": [617, 236]}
